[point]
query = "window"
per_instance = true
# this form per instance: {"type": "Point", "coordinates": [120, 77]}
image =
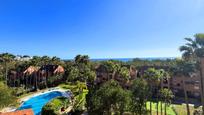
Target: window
{"type": "Point", "coordinates": [196, 87]}
{"type": "Point", "coordinates": [189, 82]}
{"type": "Point", "coordinates": [197, 82]}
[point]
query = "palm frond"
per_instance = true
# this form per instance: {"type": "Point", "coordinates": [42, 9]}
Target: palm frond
{"type": "Point", "coordinates": [189, 40]}
{"type": "Point", "coordinates": [185, 49]}
{"type": "Point", "coordinates": [199, 38]}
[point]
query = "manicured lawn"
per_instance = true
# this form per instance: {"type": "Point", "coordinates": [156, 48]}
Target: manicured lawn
{"type": "Point", "coordinates": [170, 110]}
{"type": "Point", "coordinates": [79, 90]}
{"type": "Point", "coordinates": [173, 109]}
{"type": "Point", "coordinates": [181, 109]}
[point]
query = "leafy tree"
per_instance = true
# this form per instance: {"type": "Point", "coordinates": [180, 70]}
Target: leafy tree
{"type": "Point", "coordinates": [54, 80]}
{"type": "Point", "coordinates": [81, 70]}
{"type": "Point", "coordinates": [36, 61]}
{"type": "Point", "coordinates": [6, 96]}
{"type": "Point", "coordinates": [45, 60]}
{"type": "Point", "coordinates": [6, 58]}
{"type": "Point", "coordinates": [113, 67]}
{"type": "Point", "coordinates": [73, 74]}
{"type": "Point", "coordinates": [110, 97]}
{"type": "Point", "coordinates": [54, 106]}
{"type": "Point", "coordinates": [56, 60]}
{"type": "Point", "coordinates": [140, 92]}
{"type": "Point", "coordinates": [91, 76]}
{"type": "Point", "coordinates": [124, 73]}
{"type": "Point", "coordinates": [166, 96]}
{"type": "Point", "coordinates": [82, 59]}
{"type": "Point", "coordinates": [139, 63]}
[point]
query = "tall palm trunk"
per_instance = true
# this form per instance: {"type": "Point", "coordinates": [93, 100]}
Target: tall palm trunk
{"type": "Point", "coordinates": [150, 107]}
{"type": "Point", "coordinates": [6, 72]}
{"type": "Point", "coordinates": [36, 82]}
{"type": "Point", "coordinates": [186, 96]}
{"type": "Point", "coordinates": [113, 74]}
{"type": "Point", "coordinates": [46, 77]}
{"type": "Point", "coordinates": [157, 101]}
{"type": "Point", "coordinates": [161, 109]}
{"type": "Point", "coordinates": [150, 100]}
{"type": "Point", "coordinates": [202, 83]}
{"type": "Point", "coordinates": [165, 108]}
{"type": "Point", "coordinates": [201, 91]}
{"type": "Point", "coordinates": [14, 82]}
{"type": "Point", "coordinates": [30, 78]}
{"type": "Point", "coordinates": [26, 83]}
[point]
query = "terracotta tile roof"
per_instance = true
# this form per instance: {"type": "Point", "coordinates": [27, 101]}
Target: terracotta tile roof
{"type": "Point", "coordinates": [20, 112]}
{"type": "Point", "coordinates": [52, 68]}
{"type": "Point", "coordinates": [30, 70]}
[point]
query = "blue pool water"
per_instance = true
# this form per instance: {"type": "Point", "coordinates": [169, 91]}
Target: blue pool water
{"type": "Point", "coordinates": [36, 103]}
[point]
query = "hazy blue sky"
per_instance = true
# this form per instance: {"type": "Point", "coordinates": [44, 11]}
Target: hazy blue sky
{"type": "Point", "coordinates": [99, 28]}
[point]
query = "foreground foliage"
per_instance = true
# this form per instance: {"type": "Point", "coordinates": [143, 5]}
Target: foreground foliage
{"type": "Point", "coordinates": [55, 106]}
{"type": "Point", "coordinates": [140, 93]}
{"type": "Point", "coordinates": [6, 96]}
{"type": "Point", "coordinates": [79, 91]}
{"type": "Point", "coordinates": [110, 97]}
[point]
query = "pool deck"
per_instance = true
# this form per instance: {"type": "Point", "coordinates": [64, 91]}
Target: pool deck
{"type": "Point", "coordinates": [21, 100]}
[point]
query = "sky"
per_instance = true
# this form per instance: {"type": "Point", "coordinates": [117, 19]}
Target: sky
{"type": "Point", "coordinates": [98, 28]}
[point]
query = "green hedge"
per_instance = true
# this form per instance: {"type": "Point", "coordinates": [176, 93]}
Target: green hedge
{"type": "Point", "coordinates": [54, 106]}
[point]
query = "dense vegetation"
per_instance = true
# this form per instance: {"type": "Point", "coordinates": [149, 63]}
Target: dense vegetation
{"type": "Point", "coordinates": [56, 106]}
{"type": "Point", "coordinates": [6, 96]}
{"type": "Point", "coordinates": [117, 93]}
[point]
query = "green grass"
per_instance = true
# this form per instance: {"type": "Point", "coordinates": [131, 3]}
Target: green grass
{"type": "Point", "coordinates": [79, 90]}
{"type": "Point", "coordinates": [81, 99]}
{"type": "Point", "coordinates": [173, 109]}
{"type": "Point", "coordinates": [170, 110]}
{"type": "Point", "coordinates": [67, 86]}
{"type": "Point", "coordinates": [181, 109]}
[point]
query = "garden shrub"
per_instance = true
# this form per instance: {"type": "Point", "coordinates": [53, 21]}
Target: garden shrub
{"type": "Point", "coordinates": [54, 106]}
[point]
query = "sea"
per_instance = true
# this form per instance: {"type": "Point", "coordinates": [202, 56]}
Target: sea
{"type": "Point", "coordinates": [130, 59]}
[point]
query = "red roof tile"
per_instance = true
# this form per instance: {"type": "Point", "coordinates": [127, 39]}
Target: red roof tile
{"type": "Point", "coordinates": [20, 112]}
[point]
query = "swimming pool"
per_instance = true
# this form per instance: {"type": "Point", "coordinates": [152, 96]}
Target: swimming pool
{"type": "Point", "coordinates": [36, 103]}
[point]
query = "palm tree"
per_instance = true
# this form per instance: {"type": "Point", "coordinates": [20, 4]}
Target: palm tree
{"type": "Point", "coordinates": [165, 76]}
{"type": "Point", "coordinates": [140, 92]}
{"type": "Point", "coordinates": [185, 69]}
{"type": "Point", "coordinates": [77, 59]}
{"type": "Point", "coordinates": [167, 96]}
{"type": "Point", "coordinates": [194, 50]}
{"type": "Point", "coordinates": [36, 61]}
{"type": "Point", "coordinates": [55, 60]}
{"type": "Point", "coordinates": [82, 59]}
{"type": "Point", "coordinates": [153, 76]}
{"type": "Point", "coordinates": [112, 67]}
{"type": "Point", "coordinates": [45, 60]}
{"type": "Point", "coordinates": [124, 73]}
{"type": "Point", "coordinates": [6, 58]}
{"type": "Point", "coordinates": [85, 59]}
